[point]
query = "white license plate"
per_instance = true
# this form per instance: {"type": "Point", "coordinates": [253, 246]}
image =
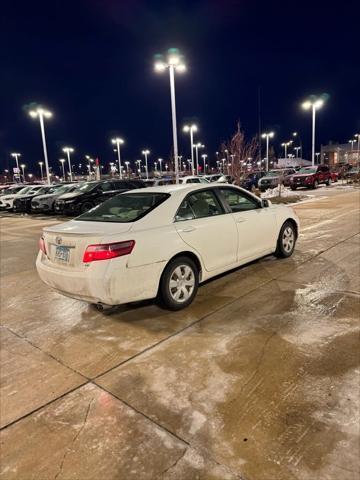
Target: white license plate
{"type": "Point", "coordinates": [62, 253]}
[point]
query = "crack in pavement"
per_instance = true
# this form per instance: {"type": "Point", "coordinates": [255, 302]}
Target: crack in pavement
{"type": "Point", "coordinates": [67, 451]}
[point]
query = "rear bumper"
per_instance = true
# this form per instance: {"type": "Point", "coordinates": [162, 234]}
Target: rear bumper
{"type": "Point", "coordinates": [110, 281]}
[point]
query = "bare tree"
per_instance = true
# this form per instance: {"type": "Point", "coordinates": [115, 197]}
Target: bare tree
{"type": "Point", "coordinates": [239, 151]}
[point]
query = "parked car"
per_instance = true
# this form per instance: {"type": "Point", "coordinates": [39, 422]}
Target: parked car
{"type": "Point", "coordinates": [7, 200]}
{"type": "Point", "coordinates": [311, 177]}
{"type": "Point", "coordinates": [192, 179]}
{"type": "Point", "coordinates": [156, 182]}
{"type": "Point", "coordinates": [162, 242]}
{"type": "Point", "coordinates": [45, 203]}
{"type": "Point", "coordinates": [250, 180]}
{"type": "Point", "coordinates": [275, 177]}
{"type": "Point", "coordinates": [23, 202]}
{"type": "Point", "coordinates": [334, 176]}
{"type": "Point", "coordinates": [352, 173]}
{"type": "Point", "coordinates": [11, 189]}
{"type": "Point", "coordinates": [90, 194]}
{"type": "Point", "coordinates": [213, 177]}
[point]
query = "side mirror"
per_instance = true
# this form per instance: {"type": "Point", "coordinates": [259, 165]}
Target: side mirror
{"type": "Point", "coordinates": [265, 203]}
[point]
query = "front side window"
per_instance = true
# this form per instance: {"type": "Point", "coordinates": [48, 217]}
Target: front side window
{"type": "Point", "coordinates": [238, 201]}
{"type": "Point", "coordinates": [124, 208]}
{"type": "Point", "coordinates": [199, 205]}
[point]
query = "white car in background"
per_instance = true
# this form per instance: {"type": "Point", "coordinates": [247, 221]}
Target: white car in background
{"type": "Point", "coordinates": [192, 179]}
{"type": "Point", "coordinates": [162, 242]}
{"type": "Point", "coordinates": [7, 201]}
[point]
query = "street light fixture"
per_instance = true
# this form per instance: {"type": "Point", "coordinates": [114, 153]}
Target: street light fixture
{"type": "Point", "coordinates": [69, 150]}
{"type": "Point", "coordinates": [286, 145]}
{"type": "Point", "coordinates": [197, 146]}
{"type": "Point", "coordinates": [191, 129]}
{"type": "Point", "coordinates": [313, 104]}
{"type": "Point", "coordinates": [160, 160]}
{"type": "Point", "coordinates": [146, 153]}
{"type": "Point", "coordinates": [204, 157]}
{"type": "Point", "coordinates": [41, 114]}
{"type": "Point", "coordinates": [174, 62]}
{"type": "Point", "coordinates": [41, 169]}
{"type": "Point", "coordinates": [62, 161]}
{"type": "Point", "coordinates": [118, 141]}
{"type": "Point", "coordinates": [267, 136]}
{"type": "Point", "coordinates": [23, 170]}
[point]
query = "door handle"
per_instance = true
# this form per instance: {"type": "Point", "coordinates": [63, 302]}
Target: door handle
{"type": "Point", "coordinates": [190, 228]}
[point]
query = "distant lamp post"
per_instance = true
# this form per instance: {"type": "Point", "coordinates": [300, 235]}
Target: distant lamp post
{"type": "Point", "coordinates": [146, 153]}
{"type": "Point", "coordinates": [204, 157]}
{"type": "Point", "coordinates": [191, 129]}
{"type": "Point", "coordinates": [267, 136]}
{"type": "Point", "coordinates": [357, 136]}
{"type": "Point", "coordinates": [317, 157]}
{"type": "Point", "coordinates": [197, 146]}
{"type": "Point", "coordinates": [62, 161]}
{"type": "Point", "coordinates": [118, 141]}
{"type": "Point", "coordinates": [296, 135]}
{"type": "Point", "coordinates": [41, 114]}
{"type": "Point", "coordinates": [313, 105]}
{"type": "Point", "coordinates": [69, 150]}
{"type": "Point", "coordinates": [41, 169]}
{"type": "Point", "coordinates": [297, 151]}
{"type": "Point", "coordinates": [173, 62]}
{"type": "Point", "coordinates": [286, 145]}
{"type": "Point", "coordinates": [30, 175]}
{"type": "Point", "coordinates": [23, 170]}
{"type": "Point", "coordinates": [160, 160]}
{"type": "Point", "coordinates": [127, 168]}
{"type": "Point", "coordinates": [16, 156]}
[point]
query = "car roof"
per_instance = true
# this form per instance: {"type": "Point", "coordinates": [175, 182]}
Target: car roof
{"type": "Point", "coordinates": [180, 188]}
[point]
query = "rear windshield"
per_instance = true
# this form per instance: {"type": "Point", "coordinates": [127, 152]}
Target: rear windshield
{"type": "Point", "coordinates": [307, 170]}
{"type": "Point", "coordinates": [124, 208]}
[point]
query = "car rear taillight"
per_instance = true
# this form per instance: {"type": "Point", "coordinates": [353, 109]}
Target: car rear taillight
{"type": "Point", "coordinates": [42, 244]}
{"type": "Point", "coordinates": [106, 251]}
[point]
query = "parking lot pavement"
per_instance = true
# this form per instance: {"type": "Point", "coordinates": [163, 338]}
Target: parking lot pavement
{"type": "Point", "coordinates": [256, 380]}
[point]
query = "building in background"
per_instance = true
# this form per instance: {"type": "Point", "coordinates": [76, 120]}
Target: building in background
{"type": "Point", "coordinates": [335, 154]}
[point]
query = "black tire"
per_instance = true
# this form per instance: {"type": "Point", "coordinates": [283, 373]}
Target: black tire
{"type": "Point", "coordinates": [328, 183]}
{"type": "Point", "coordinates": [283, 247]}
{"type": "Point", "coordinates": [293, 188]}
{"type": "Point", "coordinates": [166, 294]}
{"type": "Point", "coordinates": [315, 184]}
{"type": "Point", "coordinates": [85, 207]}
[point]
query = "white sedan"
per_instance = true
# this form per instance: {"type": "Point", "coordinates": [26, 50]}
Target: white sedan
{"type": "Point", "coordinates": [162, 242]}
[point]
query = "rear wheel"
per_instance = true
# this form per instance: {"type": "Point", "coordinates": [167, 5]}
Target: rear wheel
{"type": "Point", "coordinates": [179, 283]}
{"type": "Point", "coordinates": [328, 182]}
{"type": "Point", "coordinates": [85, 207]}
{"type": "Point", "coordinates": [286, 241]}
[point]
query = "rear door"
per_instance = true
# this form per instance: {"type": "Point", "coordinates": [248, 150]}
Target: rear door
{"type": "Point", "coordinates": [203, 224]}
{"type": "Point", "coordinates": [256, 226]}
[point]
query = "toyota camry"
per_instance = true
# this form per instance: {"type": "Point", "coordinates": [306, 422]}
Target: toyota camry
{"type": "Point", "coordinates": [162, 242]}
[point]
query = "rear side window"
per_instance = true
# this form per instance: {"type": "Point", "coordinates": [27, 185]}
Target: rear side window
{"type": "Point", "coordinates": [199, 205]}
{"type": "Point", "coordinates": [124, 208]}
{"type": "Point", "coordinates": [238, 201]}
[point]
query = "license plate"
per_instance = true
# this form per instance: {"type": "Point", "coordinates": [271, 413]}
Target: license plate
{"type": "Point", "coordinates": [62, 253]}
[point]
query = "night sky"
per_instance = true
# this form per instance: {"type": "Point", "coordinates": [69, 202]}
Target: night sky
{"type": "Point", "coordinates": [91, 63]}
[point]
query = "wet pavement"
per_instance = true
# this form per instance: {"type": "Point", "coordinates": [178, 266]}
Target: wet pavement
{"type": "Point", "coordinates": [257, 380]}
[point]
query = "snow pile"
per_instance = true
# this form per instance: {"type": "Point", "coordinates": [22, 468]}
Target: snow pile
{"type": "Point", "coordinates": [280, 190]}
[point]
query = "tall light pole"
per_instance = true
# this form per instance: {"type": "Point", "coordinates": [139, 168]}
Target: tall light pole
{"type": "Point", "coordinates": [16, 156]}
{"type": "Point", "coordinates": [41, 169]}
{"type": "Point", "coordinates": [191, 129]}
{"type": "Point", "coordinates": [41, 113]}
{"type": "Point", "coordinates": [69, 150]}
{"type": "Point", "coordinates": [23, 170]}
{"type": "Point", "coordinates": [317, 157]}
{"type": "Point", "coordinates": [173, 62]}
{"type": "Point", "coordinates": [146, 153]}
{"type": "Point", "coordinates": [118, 141]}
{"type": "Point", "coordinates": [267, 136]}
{"type": "Point", "coordinates": [127, 168]}
{"type": "Point", "coordinates": [204, 157]}
{"type": "Point", "coordinates": [197, 146]}
{"type": "Point", "coordinates": [297, 151]}
{"type": "Point", "coordinates": [286, 145]}
{"type": "Point", "coordinates": [62, 161]}
{"type": "Point", "coordinates": [160, 160]}
{"type": "Point", "coordinates": [357, 135]}
{"type": "Point", "coordinates": [313, 104]}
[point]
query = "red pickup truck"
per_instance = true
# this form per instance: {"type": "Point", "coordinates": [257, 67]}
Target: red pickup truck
{"type": "Point", "coordinates": [311, 177]}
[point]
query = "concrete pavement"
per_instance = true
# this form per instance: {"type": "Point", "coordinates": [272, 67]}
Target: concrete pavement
{"type": "Point", "coordinates": [257, 380]}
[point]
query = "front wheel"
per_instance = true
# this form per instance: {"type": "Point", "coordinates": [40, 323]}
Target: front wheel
{"type": "Point", "coordinates": [293, 188]}
{"type": "Point", "coordinates": [286, 240]}
{"type": "Point", "coordinates": [179, 283]}
{"type": "Point", "coordinates": [315, 184]}
{"type": "Point", "coordinates": [85, 207]}
{"type": "Point", "coordinates": [328, 183]}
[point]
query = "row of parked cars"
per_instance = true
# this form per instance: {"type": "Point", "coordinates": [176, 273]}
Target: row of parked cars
{"type": "Point", "coordinates": [76, 198]}
{"type": "Point", "coordinates": [309, 177]}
